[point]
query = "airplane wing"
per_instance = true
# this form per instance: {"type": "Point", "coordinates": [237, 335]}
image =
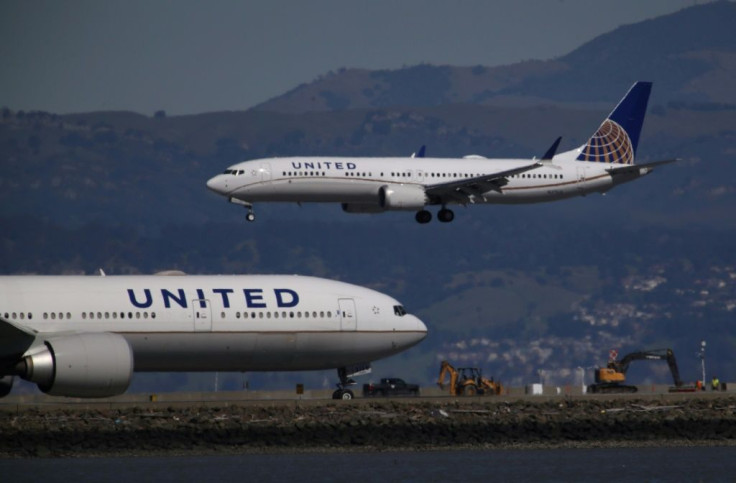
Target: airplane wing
{"type": "Point", "coordinates": [465, 189]}
{"type": "Point", "coordinates": [632, 168]}
{"type": "Point", "coordinates": [14, 339]}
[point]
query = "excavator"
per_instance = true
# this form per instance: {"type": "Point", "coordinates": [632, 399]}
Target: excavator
{"type": "Point", "coordinates": [610, 379]}
{"type": "Point", "coordinates": [467, 381]}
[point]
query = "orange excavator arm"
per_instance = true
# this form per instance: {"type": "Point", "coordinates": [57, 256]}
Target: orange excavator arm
{"type": "Point", "coordinates": [446, 368]}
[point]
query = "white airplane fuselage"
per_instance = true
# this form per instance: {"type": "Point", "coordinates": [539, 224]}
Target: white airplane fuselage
{"type": "Point", "coordinates": [358, 180]}
{"type": "Point", "coordinates": [197, 323]}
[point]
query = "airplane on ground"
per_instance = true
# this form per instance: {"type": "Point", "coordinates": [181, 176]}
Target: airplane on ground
{"type": "Point", "coordinates": [375, 185]}
{"type": "Point", "coordinates": [84, 336]}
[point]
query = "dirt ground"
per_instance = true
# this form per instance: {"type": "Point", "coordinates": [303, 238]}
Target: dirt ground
{"type": "Point", "coordinates": [364, 425]}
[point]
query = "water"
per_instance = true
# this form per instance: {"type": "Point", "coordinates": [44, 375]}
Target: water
{"type": "Point", "coordinates": [707, 464]}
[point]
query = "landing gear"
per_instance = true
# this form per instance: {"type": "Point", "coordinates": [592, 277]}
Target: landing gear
{"type": "Point", "coordinates": [445, 215]}
{"type": "Point", "coordinates": [248, 206]}
{"type": "Point", "coordinates": [423, 216]}
{"type": "Point", "coordinates": [342, 392]}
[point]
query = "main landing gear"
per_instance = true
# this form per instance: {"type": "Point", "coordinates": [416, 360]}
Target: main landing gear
{"type": "Point", "coordinates": [342, 392]}
{"type": "Point", "coordinates": [444, 215]}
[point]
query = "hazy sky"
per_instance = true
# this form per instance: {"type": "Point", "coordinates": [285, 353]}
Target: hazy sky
{"type": "Point", "coordinates": [189, 56]}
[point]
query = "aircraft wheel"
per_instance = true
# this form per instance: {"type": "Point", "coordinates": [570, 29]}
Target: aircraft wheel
{"type": "Point", "coordinates": [250, 216]}
{"type": "Point", "coordinates": [445, 215]}
{"type": "Point", "coordinates": [344, 394]}
{"type": "Point", "coordinates": [423, 216]}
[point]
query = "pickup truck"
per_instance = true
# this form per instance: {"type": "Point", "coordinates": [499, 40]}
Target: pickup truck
{"type": "Point", "coordinates": [392, 386]}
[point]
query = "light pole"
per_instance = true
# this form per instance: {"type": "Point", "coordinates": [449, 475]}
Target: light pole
{"type": "Point", "coordinates": [582, 380]}
{"type": "Point", "coordinates": [702, 360]}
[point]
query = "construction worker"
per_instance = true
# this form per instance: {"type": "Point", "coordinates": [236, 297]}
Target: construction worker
{"type": "Point", "coordinates": [715, 383]}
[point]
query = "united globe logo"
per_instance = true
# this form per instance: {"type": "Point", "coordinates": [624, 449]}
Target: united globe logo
{"type": "Point", "coordinates": [609, 144]}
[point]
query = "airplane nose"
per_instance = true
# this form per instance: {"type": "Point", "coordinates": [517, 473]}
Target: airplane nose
{"type": "Point", "coordinates": [421, 328]}
{"type": "Point", "coordinates": [213, 184]}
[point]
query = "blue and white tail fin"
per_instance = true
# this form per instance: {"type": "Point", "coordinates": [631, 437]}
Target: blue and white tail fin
{"type": "Point", "coordinates": [616, 139]}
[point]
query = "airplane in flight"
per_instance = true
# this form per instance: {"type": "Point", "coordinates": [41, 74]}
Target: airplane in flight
{"type": "Point", "coordinates": [84, 336]}
{"type": "Point", "coordinates": [376, 185]}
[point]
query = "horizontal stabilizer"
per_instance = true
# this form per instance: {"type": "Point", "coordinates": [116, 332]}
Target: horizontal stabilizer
{"type": "Point", "coordinates": [630, 168]}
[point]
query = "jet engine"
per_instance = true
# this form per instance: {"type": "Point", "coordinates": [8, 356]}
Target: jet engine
{"type": "Point", "coordinates": [402, 197]}
{"type": "Point", "coordinates": [81, 365]}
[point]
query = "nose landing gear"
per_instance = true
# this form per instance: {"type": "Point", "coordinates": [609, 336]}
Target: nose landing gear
{"type": "Point", "coordinates": [248, 206]}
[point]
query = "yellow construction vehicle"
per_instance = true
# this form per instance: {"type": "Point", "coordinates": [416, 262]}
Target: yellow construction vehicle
{"type": "Point", "coordinates": [610, 379]}
{"type": "Point", "coordinates": [467, 381]}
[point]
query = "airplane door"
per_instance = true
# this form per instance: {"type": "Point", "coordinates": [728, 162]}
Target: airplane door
{"type": "Point", "coordinates": [265, 171]}
{"type": "Point", "coordinates": [202, 315]}
{"type": "Point", "coordinates": [348, 316]}
{"type": "Point", "coordinates": [581, 177]}
{"type": "Point", "coordinates": [581, 174]}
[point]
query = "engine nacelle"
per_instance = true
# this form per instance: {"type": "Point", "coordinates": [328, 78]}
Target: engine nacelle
{"type": "Point", "coordinates": [362, 208]}
{"type": "Point", "coordinates": [402, 197]}
{"type": "Point", "coordinates": [81, 365]}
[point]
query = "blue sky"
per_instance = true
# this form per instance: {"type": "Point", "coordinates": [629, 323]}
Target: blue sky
{"type": "Point", "coordinates": [188, 56]}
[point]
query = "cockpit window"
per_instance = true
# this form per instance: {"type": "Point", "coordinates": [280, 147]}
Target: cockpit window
{"type": "Point", "coordinates": [399, 310]}
{"type": "Point", "coordinates": [234, 172]}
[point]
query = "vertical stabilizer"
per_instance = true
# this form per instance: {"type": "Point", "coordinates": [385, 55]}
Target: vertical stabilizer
{"type": "Point", "coordinates": [616, 139]}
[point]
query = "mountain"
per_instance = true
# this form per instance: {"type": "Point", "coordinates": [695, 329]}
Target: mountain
{"type": "Point", "coordinates": [517, 290]}
{"type": "Point", "coordinates": [690, 55]}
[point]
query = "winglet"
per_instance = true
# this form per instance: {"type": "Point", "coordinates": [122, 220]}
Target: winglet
{"type": "Point", "coordinates": [552, 150]}
{"type": "Point", "coordinates": [420, 153]}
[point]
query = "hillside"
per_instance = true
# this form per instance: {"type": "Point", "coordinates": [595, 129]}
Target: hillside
{"type": "Point", "coordinates": [690, 55]}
